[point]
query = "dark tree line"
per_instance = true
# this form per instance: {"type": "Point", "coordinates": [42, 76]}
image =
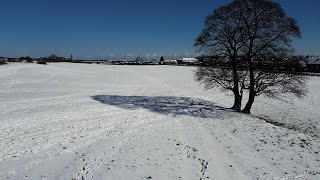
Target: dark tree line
{"type": "Point", "coordinates": [26, 58]}
{"type": "Point", "coordinates": [51, 58]}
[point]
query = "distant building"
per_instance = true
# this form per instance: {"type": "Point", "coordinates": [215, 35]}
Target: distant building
{"type": "Point", "coordinates": [13, 59]}
{"type": "Point", "coordinates": [153, 62]}
{"type": "Point", "coordinates": [188, 61]}
{"type": "Point", "coordinates": [170, 62]}
{"type": "Point", "coordinates": [313, 64]}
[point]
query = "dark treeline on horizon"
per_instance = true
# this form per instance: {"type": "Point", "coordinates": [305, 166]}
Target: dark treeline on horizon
{"type": "Point", "coordinates": [298, 63]}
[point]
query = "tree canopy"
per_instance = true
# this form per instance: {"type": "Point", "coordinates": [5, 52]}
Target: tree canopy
{"type": "Point", "coordinates": [247, 31]}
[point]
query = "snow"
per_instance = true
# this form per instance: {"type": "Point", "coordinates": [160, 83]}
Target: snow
{"type": "Point", "coordinates": [82, 121]}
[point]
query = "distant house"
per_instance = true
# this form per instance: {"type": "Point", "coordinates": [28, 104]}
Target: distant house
{"type": "Point", "coordinates": [153, 62]}
{"type": "Point", "coordinates": [188, 61]}
{"type": "Point", "coordinates": [117, 62]}
{"type": "Point", "coordinates": [133, 63]}
{"type": "Point", "coordinates": [313, 64]}
{"type": "Point", "coordinates": [13, 59]}
{"type": "Point", "coordinates": [214, 61]}
{"type": "Point", "coordinates": [170, 62]}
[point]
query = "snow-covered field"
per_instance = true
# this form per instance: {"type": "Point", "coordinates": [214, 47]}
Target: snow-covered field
{"type": "Point", "coordinates": [81, 121]}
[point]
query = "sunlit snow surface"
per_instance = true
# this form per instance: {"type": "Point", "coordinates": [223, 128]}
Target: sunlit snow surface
{"type": "Point", "coordinates": [82, 121]}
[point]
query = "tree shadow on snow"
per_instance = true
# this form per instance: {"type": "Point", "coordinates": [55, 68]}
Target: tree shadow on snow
{"type": "Point", "coordinates": [167, 105]}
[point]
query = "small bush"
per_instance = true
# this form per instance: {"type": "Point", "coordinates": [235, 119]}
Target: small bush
{"type": "Point", "coordinates": [2, 61]}
{"type": "Point", "coordinates": [42, 62]}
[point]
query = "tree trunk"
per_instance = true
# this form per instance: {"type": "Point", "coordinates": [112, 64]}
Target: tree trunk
{"type": "Point", "coordinates": [237, 96]}
{"type": "Point", "coordinates": [237, 102]}
{"type": "Point", "coordinates": [252, 94]}
{"type": "Point", "coordinates": [247, 108]}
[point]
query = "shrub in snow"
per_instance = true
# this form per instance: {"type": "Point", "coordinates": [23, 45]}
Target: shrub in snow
{"type": "Point", "coordinates": [2, 61]}
{"type": "Point", "coordinates": [42, 62]}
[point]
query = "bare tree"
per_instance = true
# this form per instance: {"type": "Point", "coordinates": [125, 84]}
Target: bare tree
{"type": "Point", "coordinates": [269, 32]}
{"type": "Point", "coordinates": [245, 31]}
{"type": "Point", "coordinates": [222, 36]}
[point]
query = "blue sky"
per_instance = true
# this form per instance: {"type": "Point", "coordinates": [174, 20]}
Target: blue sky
{"type": "Point", "coordinates": [98, 29]}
